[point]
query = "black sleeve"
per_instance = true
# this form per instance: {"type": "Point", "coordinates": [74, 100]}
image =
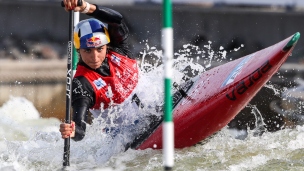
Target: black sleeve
{"type": "Point", "coordinates": [80, 116]}
{"type": "Point", "coordinates": [117, 28]}
{"type": "Point", "coordinates": [107, 15]}
{"type": "Point", "coordinates": [82, 100]}
{"type": "Point", "coordinates": [83, 92]}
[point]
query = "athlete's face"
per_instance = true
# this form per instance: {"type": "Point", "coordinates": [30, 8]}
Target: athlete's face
{"type": "Point", "coordinates": [93, 57]}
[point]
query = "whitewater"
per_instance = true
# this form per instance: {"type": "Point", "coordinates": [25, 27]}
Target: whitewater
{"type": "Point", "coordinates": [29, 142]}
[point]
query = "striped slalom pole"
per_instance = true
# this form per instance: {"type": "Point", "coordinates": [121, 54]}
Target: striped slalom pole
{"type": "Point", "coordinates": [75, 54]}
{"type": "Point", "coordinates": [168, 126]}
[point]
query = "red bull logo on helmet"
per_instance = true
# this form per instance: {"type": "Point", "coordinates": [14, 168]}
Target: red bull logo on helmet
{"type": "Point", "coordinates": [94, 42]}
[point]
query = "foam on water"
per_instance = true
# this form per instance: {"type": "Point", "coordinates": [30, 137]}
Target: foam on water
{"type": "Point", "coordinates": [19, 119]}
{"type": "Point", "coordinates": [28, 142]}
{"type": "Point", "coordinates": [282, 150]}
{"type": "Point", "coordinates": [25, 136]}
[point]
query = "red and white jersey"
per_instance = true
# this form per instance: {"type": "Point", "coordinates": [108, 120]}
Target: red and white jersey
{"type": "Point", "coordinates": [113, 89]}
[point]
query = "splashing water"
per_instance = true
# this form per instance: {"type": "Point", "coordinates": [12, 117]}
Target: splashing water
{"type": "Point", "coordinates": [28, 142]}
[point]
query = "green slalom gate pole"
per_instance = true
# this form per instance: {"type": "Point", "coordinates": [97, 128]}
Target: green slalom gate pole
{"type": "Point", "coordinates": [75, 54]}
{"type": "Point", "coordinates": [168, 126]}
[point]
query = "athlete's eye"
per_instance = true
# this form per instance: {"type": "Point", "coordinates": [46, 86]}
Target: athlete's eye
{"type": "Point", "coordinates": [99, 49]}
{"type": "Point", "coordinates": [87, 50]}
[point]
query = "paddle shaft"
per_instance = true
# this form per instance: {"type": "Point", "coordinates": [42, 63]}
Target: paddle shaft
{"type": "Point", "coordinates": [66, 154]}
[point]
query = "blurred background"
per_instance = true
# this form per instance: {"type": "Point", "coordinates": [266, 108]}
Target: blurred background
{"type": "Point", "coordinates": [34, 35]}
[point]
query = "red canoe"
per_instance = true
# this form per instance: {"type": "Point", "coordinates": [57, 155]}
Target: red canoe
{"type": "Point", "coordinates": [219, 94]}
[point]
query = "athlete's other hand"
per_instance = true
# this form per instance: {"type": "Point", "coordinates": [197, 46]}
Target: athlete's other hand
{"type": "Point", "coordinates": [67, 130]}
{"type": "Point", "coordinates": [72, 5]}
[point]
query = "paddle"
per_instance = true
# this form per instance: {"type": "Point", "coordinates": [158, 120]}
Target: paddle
{"type": "Point", "coordinates": [66, 154]}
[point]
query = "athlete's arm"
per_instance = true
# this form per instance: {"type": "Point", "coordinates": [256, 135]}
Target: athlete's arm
{"type": "Point", "coordinates": [82, 100]}
{"type": "Point", "coordinates": [80, 117]}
